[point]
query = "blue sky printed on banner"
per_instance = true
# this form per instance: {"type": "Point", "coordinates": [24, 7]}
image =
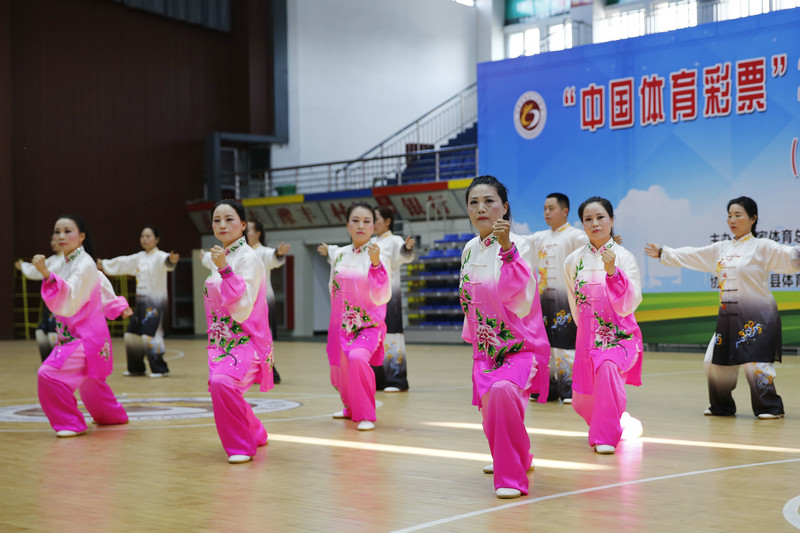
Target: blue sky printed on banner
{"type": "Point", "coordinates": [669, 181]}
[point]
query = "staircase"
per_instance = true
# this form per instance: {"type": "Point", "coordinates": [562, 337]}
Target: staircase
{"type": "Point", "coordinates": [445, 164]}
{"type": "Point", "coordinates": [440, 145]}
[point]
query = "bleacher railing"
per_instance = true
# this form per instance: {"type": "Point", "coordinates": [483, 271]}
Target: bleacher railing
{"type": "Point", "coordinates": [430, 131]}
{"type": "Point", "coordinates": [428, 165]}
{"type": "Point", "coordinates": [382, 164]}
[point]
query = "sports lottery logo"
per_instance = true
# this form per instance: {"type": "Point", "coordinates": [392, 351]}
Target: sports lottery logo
{"type": "Point", "coordinates": [530, 115]}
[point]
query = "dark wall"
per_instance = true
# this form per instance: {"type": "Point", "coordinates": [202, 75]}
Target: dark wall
{"type": "Point", "coordinates": [109, 111]}
{"type": "Point", "coordinates": [6, 185]}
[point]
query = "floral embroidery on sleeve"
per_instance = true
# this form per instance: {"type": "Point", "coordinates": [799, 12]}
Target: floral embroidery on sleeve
{"type": "Point", "coordinates": [223, 333]}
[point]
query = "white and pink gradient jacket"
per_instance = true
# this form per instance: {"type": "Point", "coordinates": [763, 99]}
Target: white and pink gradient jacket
{"type": "Point", "coordinates": [359, 293]}
{"type": "Point", "coordinates": [81, 298]}
{"type": "Point", "coordinates": [503, 317]}
{"type": "Point", "coordinates": [237, 316]}
{"type": "Point", "coordinates": [603, 308]}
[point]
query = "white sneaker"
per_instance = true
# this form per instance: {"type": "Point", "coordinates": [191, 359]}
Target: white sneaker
{"type": "Point", "coordinates": [63, 433]}
{"type": "Point", "coordinates": [129, 374]}
{"type": "Point", "coordinates": [604, 449]}
{"type": "Point", "coordinates": [238, 459]}
{"type": "Point", "coordinates": [769, 416]}
{"type": "Point", "coordinates": [339, 414]}
{"type": "Point", "coordinates": [391, 389]}
{"type": "Point", "coordinates": [631, 427]}
{"type": "Point", "coordinates": [708, 412]}
{"type": "Point", "coordinates": [366, 425]}
{"type": "Point", "coordinates": [489, 469]}
{"type": "Point", "coordinates": [507, 493]}
{"type": "Point", "coordinates": [158, 375]}
{"type": "Point", "coordinates": [568, 401]}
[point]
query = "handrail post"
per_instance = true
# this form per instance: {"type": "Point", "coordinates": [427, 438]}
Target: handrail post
{"type": "Point", "coordinates": [437, 166]}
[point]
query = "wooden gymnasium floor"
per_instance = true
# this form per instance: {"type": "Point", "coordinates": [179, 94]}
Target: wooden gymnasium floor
{"type": "Point", "coordinates": [420, 470]}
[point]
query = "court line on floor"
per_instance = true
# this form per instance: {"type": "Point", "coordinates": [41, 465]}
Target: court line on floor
{"type": "Point", "coordinates": [180, 354]}
{"type": "Point", "coordinates": [462, 516]}
{"type": "Point", "coordinates": [791, 512]}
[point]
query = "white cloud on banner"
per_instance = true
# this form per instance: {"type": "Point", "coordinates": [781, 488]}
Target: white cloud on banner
{"type": "Point", "coordinates": [520, 228]}
{"type": "Point", "coordinates": [653, 216]}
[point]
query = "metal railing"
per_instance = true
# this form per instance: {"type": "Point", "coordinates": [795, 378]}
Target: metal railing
{"type": "Point", "coordinates": [365, 173]}
{"type": "Point", "coordinates": [382, 164]}
{"type": "Point", "coordinates": [429, 132]}
{"type": "Point", "coordinates": [427, 165]}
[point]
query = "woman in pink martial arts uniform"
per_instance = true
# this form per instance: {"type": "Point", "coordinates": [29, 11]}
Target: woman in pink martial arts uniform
{"type": "Point", "coordinates": [360, 286]}
{"type": "Point", "coordinates": [606, 290]}
{"type": "Point", "coordinates": [81, 298]}
{"type": "Point", "coordinates": [239, 340]}
{"type": "Point", "coordinates": [503, 321]}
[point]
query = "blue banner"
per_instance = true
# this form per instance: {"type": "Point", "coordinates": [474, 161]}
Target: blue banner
{"type": "Point", "coordinates": [669, 127]}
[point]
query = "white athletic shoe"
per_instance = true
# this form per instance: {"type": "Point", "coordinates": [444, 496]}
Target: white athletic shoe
{"type": "Point", "coordinates": [391, 389]}
{"type": "Point", "coordinates": [505, 493]}
{"type": "Point", "coordinates": [604, 449]}
{"type": "Point", "coordinates": [238, 459]}
{"type": "Point", "coordinates": [489, 469]}
{"type": "Point", "coordinates": [769, 416]}
{"type": "Point", "coordinates": [339, 414]}
{"type": "Point", "coordinates": [366, 425]}
{"type": "Point", "coordinates": [631, 427]}
{"type": "Point", "coordinates": [64, 433]}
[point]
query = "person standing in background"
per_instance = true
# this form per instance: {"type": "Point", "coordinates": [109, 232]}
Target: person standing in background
{"type": "Point", "coordinates": [550, 248]}
{"type": "Point", "coordinates": [145, 335]}
{"type": "Point", "coordinates": [272, 258]}
{"type": "Point", "coordinates": [399, 251]}
{"type": "Point", "coordinates": [46, 331]}
{"type": "Point", "coordinates": [748, 331]}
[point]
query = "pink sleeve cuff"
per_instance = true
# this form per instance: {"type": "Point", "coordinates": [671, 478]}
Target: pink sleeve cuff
{"type": "Point", "coordinates": [509, 255]}
{"type": "Point", "coordinates": [225, 271]}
